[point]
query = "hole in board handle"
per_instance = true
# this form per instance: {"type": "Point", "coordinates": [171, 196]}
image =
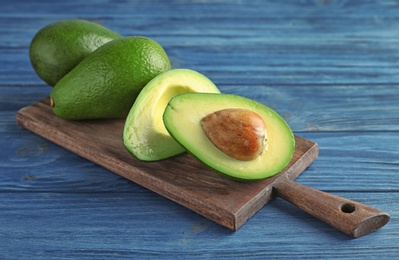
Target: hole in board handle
{"type": "Point", "coordinates": [348, 207]}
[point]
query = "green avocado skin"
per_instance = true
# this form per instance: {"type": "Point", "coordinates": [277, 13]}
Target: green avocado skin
{"type": "Point", "coordinates": [58, 47]}
{"type": "Point", "coordinates": [107, 82]}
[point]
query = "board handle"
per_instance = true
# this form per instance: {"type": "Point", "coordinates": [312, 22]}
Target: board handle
{"type": "Point", "coordinates": [350, 217]}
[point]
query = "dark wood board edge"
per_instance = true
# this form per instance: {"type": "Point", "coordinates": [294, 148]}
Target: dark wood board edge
{"type": "Point", "coordinates": [293, 171]}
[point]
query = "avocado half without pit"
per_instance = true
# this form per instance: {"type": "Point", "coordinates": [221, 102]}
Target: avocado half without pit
{"type": "Point", "coordinates": [233, 135]}
{"type": "Point", "coordinates": [144, 134]}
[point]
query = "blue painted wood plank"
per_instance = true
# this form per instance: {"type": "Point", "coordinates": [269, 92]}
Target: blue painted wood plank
{"type": "Point", "coordinates": [367, 161]}
{"type": "Point", "coordinates": [313, 47]}
{"type": "Point", "coordinates": [142, 225]}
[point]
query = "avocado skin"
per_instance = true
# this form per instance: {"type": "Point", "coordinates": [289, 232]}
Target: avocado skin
{"type": "Point", "coordinates": [107, 82]}
{"type": "Point", "coordinates": [58, 47]}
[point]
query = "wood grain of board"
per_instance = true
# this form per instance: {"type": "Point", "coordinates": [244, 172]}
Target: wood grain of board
{"type": "Point", "coordinates": [182, 179]}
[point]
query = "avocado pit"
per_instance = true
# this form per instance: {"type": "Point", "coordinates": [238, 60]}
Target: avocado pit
{"type": "Point", "coordinates": [239, 133]}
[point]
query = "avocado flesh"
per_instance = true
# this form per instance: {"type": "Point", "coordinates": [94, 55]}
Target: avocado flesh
{"type": "Point", "coordinates": [145, 135]}
{"type": "Point", "coordinates": [182, 119]}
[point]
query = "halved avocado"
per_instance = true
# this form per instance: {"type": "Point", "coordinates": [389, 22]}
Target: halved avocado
{"type": "Point", "coordinates": [184, 117]}
{"type": "Point", "coordinates": [144, 134]}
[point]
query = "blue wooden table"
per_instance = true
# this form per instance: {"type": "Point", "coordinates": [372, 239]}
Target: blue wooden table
{"type": "Point", "coordinates": [330, 68]}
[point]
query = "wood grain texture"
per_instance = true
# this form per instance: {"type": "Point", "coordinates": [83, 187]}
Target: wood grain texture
{"type": "Point", "coordinates": [182, 179]}
{"type": "Point", "coordinates": [329, 67]}
{"type": "Point", "coordinates": [127, 225]}
{"type": "Point", "coordinates": [350, 217]}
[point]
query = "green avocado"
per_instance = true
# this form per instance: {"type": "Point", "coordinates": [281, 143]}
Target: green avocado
{"type": "Point", "coordinates": [58, 47]}
{"type": "Point", "coordinates": [145, 135]}
{"type": "Point", "coordinates": [185, 119]}
{"type": "Point", "coordinates": [106, 83]}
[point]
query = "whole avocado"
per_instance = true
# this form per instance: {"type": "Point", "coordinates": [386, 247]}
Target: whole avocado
{"type": "Point", "coordinates": [106, 83]}
{"type": "Point", "coordinates": [58, 47]}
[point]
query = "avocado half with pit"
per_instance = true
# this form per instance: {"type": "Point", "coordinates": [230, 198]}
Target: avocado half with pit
{"type": "Point", "coordinates": [144, 134]}
{"type": "Point", "coordinates": [234, 135]}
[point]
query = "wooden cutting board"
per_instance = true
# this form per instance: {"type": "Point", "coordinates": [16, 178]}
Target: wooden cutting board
{"type": "Point", "coordinates": [182, 179]}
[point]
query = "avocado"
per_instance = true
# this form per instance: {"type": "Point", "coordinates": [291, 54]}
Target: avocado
{"type": "Point", "coordinates": [233, 135]}
{"type": "Point", "coordinates": [145, 135]}
{"type": "Point", "coordinates": [106, 83]}
{"type": "Point", "coordinates": [58, 47]}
